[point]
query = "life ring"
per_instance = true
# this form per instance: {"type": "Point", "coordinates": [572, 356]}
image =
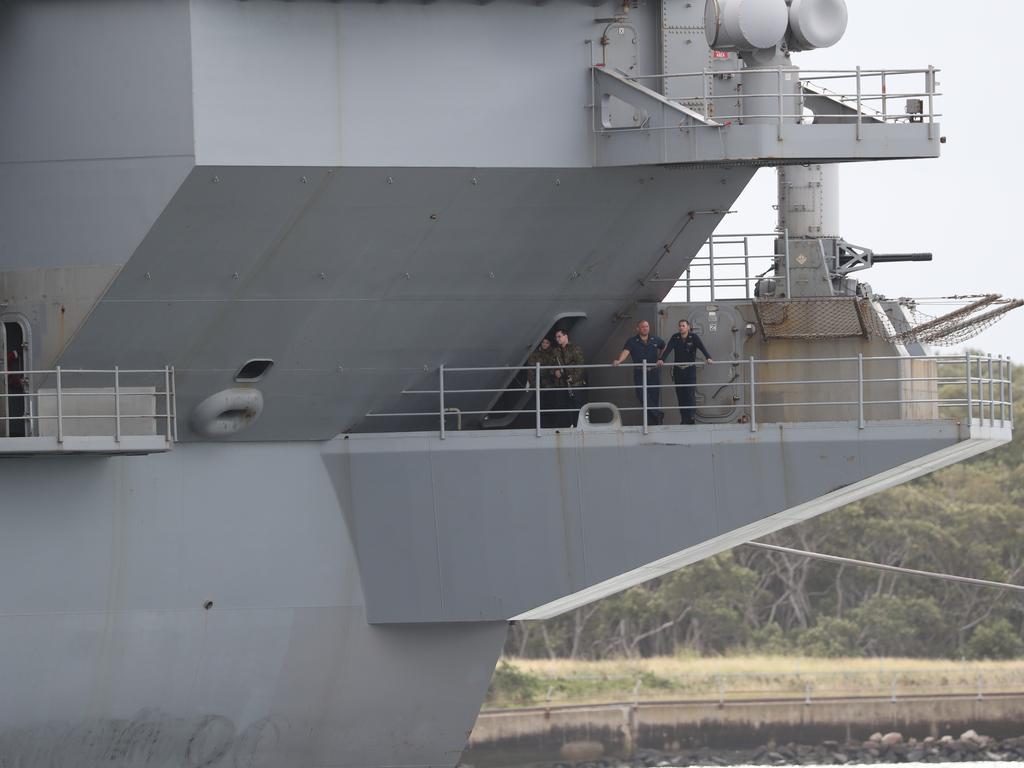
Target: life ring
{"type": "Point", "coordinates": [227, 412]}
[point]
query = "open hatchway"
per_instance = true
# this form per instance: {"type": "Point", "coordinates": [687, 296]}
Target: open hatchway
{"type": "Point", "coordinates": [515, 406]}
{"type": "Point", "coordinates": [14, 349]}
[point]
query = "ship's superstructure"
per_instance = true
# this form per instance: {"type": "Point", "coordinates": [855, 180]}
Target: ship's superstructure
{"type": "Point", "coordinates": [274, 478]}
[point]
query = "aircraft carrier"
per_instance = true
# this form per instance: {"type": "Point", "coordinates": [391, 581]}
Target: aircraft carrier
{"type": "Point", "coordinates": [273, 479]}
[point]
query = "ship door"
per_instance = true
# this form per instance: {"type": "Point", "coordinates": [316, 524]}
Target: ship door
{"type": "Point", "coordinates": [718, 386]}
{"type": "Point", "coordinates": [621, 52]}
{"type": "Point", "coordinates": [13, 353]}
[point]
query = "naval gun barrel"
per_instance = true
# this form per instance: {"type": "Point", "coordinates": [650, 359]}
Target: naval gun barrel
{"type": "Point", "coordinates": [888, 258]}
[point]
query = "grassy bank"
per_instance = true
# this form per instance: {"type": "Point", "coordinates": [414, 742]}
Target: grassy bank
{"type": "Point", "coordinates": [524, 682]}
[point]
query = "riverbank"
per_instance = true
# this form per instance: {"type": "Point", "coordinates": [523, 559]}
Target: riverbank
{"type": "Point", "coordinates": [734, 730]}
{"type": "Point", "coordinates": [892, 747]}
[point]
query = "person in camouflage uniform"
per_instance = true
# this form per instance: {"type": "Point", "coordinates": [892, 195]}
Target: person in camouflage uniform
{"type": "Point", "coordinates": [569, 377]}
{"type": "Point", "coordinates": [544, 354]}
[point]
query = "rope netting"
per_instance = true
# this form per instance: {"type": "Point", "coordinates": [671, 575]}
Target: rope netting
{"type": "Point", "coordinates": [848, 316]}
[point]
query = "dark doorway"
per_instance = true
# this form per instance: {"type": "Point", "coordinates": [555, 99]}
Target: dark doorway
{"type": "Point", "coordinates": [16, 351]}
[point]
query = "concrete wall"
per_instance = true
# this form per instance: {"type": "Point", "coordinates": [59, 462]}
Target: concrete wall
{"type": "Point", "coordinates": [513, 737]}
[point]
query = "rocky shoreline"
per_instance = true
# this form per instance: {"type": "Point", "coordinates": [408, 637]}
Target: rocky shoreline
{"type": "Point", "coordinates": [879, 748]}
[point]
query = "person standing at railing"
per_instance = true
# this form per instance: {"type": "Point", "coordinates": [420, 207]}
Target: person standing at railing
{"type": "Point", "coordinates": [569, 378]}
{"type": "Point", "coordinates": [685, 345]}
{"type": "Point", "coordinates": [544, 356]}
{"type": "Point", "coordinates": [645, 348]}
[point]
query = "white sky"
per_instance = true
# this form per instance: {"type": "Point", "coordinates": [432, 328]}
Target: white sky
{"type": "Point", "coordinates": [963, 207]}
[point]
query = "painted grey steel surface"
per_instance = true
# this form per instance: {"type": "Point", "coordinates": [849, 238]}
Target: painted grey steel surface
{"type": "Point", "coordinates": [590, 507]}
{"type": "Point", "coordinates": [354, 281]}
{"type": "Point", "coordinates": [110, 656]}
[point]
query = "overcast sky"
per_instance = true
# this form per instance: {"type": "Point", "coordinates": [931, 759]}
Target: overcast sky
{"type": "Point", "coordinates": [964, 207]}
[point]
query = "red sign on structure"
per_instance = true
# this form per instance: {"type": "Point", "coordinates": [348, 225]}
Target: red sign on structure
{"type": "Point", "coordinates": [720, 54]}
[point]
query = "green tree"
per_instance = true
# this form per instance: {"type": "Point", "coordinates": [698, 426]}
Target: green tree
{"type": "Point", "coordinates": [995, 640]}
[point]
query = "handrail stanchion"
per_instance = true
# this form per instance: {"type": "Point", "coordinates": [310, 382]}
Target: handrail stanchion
{"type": "Point", "coordinates": [711, 265]}
{"type": "Point", "coordinates": [859, 113]}
{"type": "Point", "coordinates": [860, 390]}
{"type": "Point", "coordinates": [440, 390]}
{"type": "Point", "coordinates": [645, 395]}
{"type": "Point", "coordinates": [1002, 392]}
{"type": "Point", "coordinates": [991, 394]}
{"type": "Point", "coordinates": [174, 403]}
{"type": "Point", "coordinates": [687, 285]}
{"type": "Point", "coordinates": [981, 392]}
{"type": "Point", "coordinates": [60, 411]}
{"type": "Point", "coordinates": [536, 383]}
{"type": "Point", "coordinates": [785, 241]}
{"type": "Point", "coordinates": [930, 88]}
{"type": "Point", "coordinates": [746, 266]}
{"type": "Point", "coordinates": [117, 405]}
{"type": "Point", "coordinates": [1009, 387]}
{"type": "Point", "coordinates": [885, 91]}
{"type": "Point", "coordinates": [753, 398]}
{"type": "Point", "coordinates": [782, 104]}
{"type": "Point", "coordinates": [967, 377]}
{"type": "Point", "coordinates": [167, 396]}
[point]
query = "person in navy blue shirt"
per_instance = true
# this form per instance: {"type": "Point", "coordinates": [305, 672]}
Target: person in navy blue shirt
{"type": "Point", "coordinates": [685, 344]}
{"type": "Point", "coordinates": [645, 348]}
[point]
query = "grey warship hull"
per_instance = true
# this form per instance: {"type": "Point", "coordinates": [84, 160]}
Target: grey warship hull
{"type": "Point", "coordinates": [360, 192]}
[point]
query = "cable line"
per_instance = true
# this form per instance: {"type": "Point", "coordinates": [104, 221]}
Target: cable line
{"type": "Point", "coordinates": [893, 568]}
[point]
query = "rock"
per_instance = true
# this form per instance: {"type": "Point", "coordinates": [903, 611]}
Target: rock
{"type": "Point", "coordinates": [915, 755]}
{"type": "Point", "coordinates": [876, 737]}
{"type": "Point", "coordinates": [839, 757]}
{"type": "Point", "coordinates": [581, 751]}
{"type": "Point", "coordinates": [969, 735]}
{"type": "Point", "coordinates": [891, 738]}
{"type": "Point", "coordinates": [946, 739]}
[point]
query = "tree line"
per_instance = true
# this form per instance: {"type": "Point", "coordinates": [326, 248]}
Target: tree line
{"type": "Point", "coordinates": [967, 519]}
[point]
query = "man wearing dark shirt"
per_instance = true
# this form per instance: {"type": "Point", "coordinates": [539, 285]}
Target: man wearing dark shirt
{"type": "Point", "coordinates": [645, 348]}
{"type": "Point", "coordinates": [684, 374]}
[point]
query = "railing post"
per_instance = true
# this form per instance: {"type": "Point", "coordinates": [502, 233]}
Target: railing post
{"type": "Point", "coordinates": [174, 403]}
{"type": "Point", "coordinates": [991, 394]}
{"type": "Point", "coordinates": [981, 396]}
{"type": "Point", "coordinates": [60, 410]}
{"type": "Point", "coordinates": [930, 88]}
{"type": "Point", "coordinates": [1002, 392]}
{"type": "Point", "coordinates": [858, 103]}
{"type": "Point", "coordinates": [885, 90]}
{"type": "Point", "coordinates": [707, 86]}
{"type": "Point", "coordinates": [167, 395]}
{"type": "Point", "coordinates": [860, 390]}
{"type": "Point", "coordinates": [782, 105]}
{"type": "Point", "coordinates": [746, 267]}
{"type": "Point", "coordinates": [967, 377]}
{"type": "Point", "coordinates": [753, 397]}
{"type": "Point", "coordinates": [687, 285]}
{"type": "Point", "coordinates": [536, 394]}
{"type": "Point", "coordinates": [711, 265]}
{"type": "Point", "coordinates": [785, 241]}
{"type": "Point", "coordinates": [1009, 388]}
{"type": "Point", "coordinates": [440, 391]}
{"type": "Point", "coordinates": [645, 395]}
{"type": "Point", "coordinates": [117, 405]}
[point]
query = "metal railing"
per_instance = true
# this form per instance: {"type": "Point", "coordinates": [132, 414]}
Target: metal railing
{"type": "Point", "coordinates": [859, 94]}
{"type": "Point", "coordinates": [108, 403]}
{"type": "Point", "coordinates": [725, 268]}
{"type": "Point", "coordinates": [970, 388]}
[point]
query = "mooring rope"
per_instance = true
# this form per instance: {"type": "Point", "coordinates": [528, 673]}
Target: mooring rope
{"type": "Point", "coordinates": [892, 568]}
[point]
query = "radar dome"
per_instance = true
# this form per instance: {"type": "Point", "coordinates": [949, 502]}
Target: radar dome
{"type": "Point", "coordinates": [745, 25]}
{"type": "Point", "coordinates": [816, 23]}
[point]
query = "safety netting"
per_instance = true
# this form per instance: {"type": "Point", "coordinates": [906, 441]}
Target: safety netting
{"type": "Point", "coordinates": [851, 316]}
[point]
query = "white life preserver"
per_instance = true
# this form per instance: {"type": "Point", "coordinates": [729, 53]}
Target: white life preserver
{"type": "Point", "coordinates": [227, 412]}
